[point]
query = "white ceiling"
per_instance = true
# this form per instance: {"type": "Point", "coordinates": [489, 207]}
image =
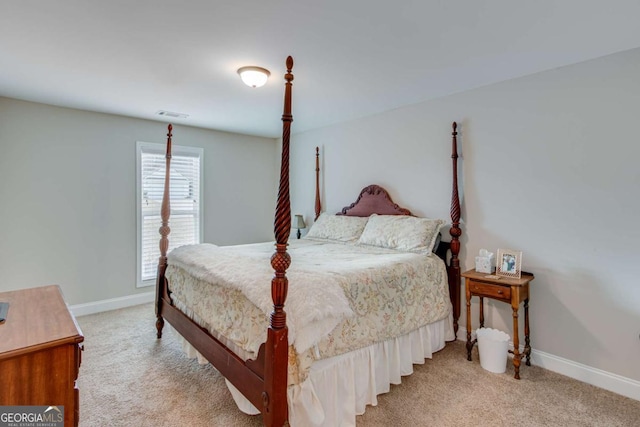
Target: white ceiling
{"type": "Point", "coordinates": [353, 58]}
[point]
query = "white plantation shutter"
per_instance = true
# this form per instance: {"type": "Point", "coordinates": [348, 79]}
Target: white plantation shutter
{"type": "Point", "coordinates": [185, 199]}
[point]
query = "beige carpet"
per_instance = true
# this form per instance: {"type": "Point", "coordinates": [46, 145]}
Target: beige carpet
{"type": "Point", "coordinates": [129, 378]}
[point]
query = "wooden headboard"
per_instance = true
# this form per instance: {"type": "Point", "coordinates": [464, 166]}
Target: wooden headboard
{"type": "Point", "coordinates": [373, 200]}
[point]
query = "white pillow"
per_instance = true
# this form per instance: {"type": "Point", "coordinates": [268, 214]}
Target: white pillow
{"type": "Point", "coordinates": [337, 227]}
{"type": "Point", "coordinates": [401, 232]}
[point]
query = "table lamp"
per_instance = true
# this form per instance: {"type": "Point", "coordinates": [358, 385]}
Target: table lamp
{"type": "Point", "coordinates": [298, 222]}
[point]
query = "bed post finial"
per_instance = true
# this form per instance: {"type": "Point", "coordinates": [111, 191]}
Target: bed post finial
{"type": "Point", "coordinates": [318, 204]}
{"type": "Point", "coordinates": [169, 135]}
{"type": "Point", "coordinates": [274, 396]}
{"type": "Point", "coordinates": [455, 231]}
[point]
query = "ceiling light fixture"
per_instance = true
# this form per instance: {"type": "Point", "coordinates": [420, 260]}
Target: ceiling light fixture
{"type": "Point", "coordinates": [254, 76]}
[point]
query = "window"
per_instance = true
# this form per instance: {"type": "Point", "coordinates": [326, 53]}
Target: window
{"type": "Point", "coordinates": [186, 206]}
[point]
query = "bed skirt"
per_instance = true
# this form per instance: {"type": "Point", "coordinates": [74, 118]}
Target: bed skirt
{"type": "Point", "coordinates": [339, 388]}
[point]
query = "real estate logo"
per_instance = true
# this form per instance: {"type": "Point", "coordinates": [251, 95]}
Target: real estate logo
{"type": "Point", "coordinates": [31, 416]}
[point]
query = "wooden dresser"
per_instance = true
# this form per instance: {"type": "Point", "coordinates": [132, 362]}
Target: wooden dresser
{"type": "Point", "coordinates": [40, 347]}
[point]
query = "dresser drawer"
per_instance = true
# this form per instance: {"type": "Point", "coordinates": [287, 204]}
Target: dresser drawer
{"type": "Point", "coordinates": [490, 290]}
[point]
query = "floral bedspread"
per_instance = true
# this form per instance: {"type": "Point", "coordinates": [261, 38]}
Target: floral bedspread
{"type": "Point", "coordinates": [390, 293]}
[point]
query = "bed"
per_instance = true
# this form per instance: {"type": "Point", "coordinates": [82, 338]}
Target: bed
{"type": "Point", "coordinates": [325, 363]}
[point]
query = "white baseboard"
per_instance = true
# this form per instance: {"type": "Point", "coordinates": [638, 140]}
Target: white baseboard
{"type": "Point", "coordinates": [111, 304]}
{"type": "Point", "coordinates": [587, 374]}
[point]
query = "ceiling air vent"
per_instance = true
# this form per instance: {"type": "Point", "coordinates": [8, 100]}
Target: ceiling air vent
{"type": "Point", "coordinates": [171, 114]}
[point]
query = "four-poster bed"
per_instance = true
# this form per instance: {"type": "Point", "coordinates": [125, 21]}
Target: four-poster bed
{"type": "Point", "coordinates": [276, 375]}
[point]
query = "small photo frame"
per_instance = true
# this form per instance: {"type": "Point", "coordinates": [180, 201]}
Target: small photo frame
{"type": "Point", "coordinates": [509, 263]}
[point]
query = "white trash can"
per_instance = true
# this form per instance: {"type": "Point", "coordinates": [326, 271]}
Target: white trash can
{"type": "Point", "coordinates": [492, 347]}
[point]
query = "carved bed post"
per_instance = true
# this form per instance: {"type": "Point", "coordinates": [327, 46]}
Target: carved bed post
{"type": "Point", "coordinates": [318, 204]}
{"type": "Point", "coordinates": [274, 397]}
{"type": "Point", "coordinates": [164, 231]}
{"type": "Point", "coordinates": [456, 232]}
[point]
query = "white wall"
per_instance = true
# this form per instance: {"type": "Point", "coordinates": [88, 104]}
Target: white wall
{"type": "Point", "coordinates": [549, 166]}
{"type": "Point", "coordinates": [67, 196]}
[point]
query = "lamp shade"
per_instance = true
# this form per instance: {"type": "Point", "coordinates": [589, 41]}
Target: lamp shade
{"type": "Point", "coordinates": [298, 222]}
{"type": "Point", "coordinates": [254, 76]}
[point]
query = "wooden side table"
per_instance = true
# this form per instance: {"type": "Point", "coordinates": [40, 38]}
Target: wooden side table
{"type": "Point", "coordinates": [503, 289]}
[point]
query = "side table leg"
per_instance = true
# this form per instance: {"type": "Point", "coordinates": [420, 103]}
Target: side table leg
{"type": "Point", "coordinates": [516, 344]}
{"type": "Point", "coordinates": [469, 343]}
{"type": "Point", "coordinates": [482, 312]}
{"type": "Point", "coordinates": [527, 343]}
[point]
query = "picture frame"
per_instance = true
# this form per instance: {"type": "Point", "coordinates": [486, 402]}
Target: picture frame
{"type": "Point", "coordinates": [509, 263]}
